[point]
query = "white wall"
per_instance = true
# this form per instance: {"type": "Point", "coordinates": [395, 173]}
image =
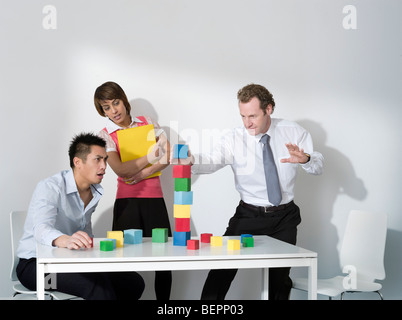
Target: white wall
{"type": "Point", "coordinates": [182, 62]}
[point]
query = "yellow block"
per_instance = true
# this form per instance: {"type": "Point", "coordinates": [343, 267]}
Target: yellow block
{"type": "Point", "coordinates": [216, 241]}
{"type": "Point", "coordinates": [233, 244]}
{"type": "Point", "coordinates": [181, 210]}
{"type": "Point", "coordinates": [118, 235]}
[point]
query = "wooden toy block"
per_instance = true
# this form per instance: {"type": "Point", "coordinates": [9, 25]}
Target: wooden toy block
{"type": "Point", "coordinates": [180, 151]}
{"type": "Point", "coordinates": [244, 235]}
{"type": "Point", "coordinates": [181, 171]}
{"type": "Point", "coordinates": [133, 236]}
{"type": "Point", "coordinates": [183, 197]}
{"type": "Point", "coordinates": [182, 184]}
{"type": "Point", "coordinates": [181, 211]}
{"type": "Point", "coordinates": [193, 244]}
{"type": "Point", "coordinates": [106, 245]}
{"type": "Point", "coordinates": [233, 244]}
{"type": "Point", "coordinates": [248, 242]}
{"type": "Point", "coordinates": [182, 224]}
{"type": "Point", "coordinates": [118, 235]}
{"type": "Point", "coordinates": [160, 235]}
{"type": "Point", "coordinates": [113, 240]}
{"type": "Point", "coordinates": [206, 237]}
{"type": "Point", "coordinates": [216, 241]}
{"type": "Point", "coordinates": [180, 238]}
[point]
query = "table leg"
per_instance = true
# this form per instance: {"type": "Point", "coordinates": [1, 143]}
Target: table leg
{"type": "Point", "coordinates": [40, 281]}
{"type": "Point", "coordinates": [312, 280]}
{"type": "Point", "coordinates": [264, 284]}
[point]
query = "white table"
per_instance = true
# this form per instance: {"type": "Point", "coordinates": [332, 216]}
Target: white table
{"type": "Point", "coordinates": [266, 253]}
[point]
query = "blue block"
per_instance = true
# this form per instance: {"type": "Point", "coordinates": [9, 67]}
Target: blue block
{"type": "Point", "coordinates": [180, 151]}
{"type": "Point", "coordinates": [180, 238]}
{"type": "Point", "coordinates": [133, 236]}
{"type": "Point", "coordinates": [245, 235]}
{"type": "Point", "coordinates": [183, 197]}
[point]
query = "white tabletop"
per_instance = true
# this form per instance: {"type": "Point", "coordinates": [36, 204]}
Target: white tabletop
{"type": "Point", "coordinates": [264, 248]}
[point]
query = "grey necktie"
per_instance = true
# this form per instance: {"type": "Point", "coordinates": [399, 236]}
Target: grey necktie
{"type": "Point", "coordinates": [271, 173]}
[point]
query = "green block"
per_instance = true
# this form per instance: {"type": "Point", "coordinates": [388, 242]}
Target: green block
{"type": "Point", "coordinates": [248, 242]}
{"type": "Point", "coordinates": [182, 184]}
{"type": "Point", "coordinates": [106, 245]}
{"type": "Point", "coordinates": [160, 235]}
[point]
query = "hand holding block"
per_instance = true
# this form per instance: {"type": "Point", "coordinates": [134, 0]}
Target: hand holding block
{"type": "Point", "coordinates": [181, 171]}
{"type": "Point", "coordinates": [118, 235]}
{"type": "Point", "coordinates": [180, 238]}
{"type": "Point", "coordinates": [206, 237]}
{"type": "Point", "coordinates": [133, 236]}
{"type": "Point", "coordinates": [106, 245]}
{"type": "Point", "coordinates": [193, 244]}
{"type": "Point", "coordinates": [180, 151]}
{"type": "Point", "coordinates": [233, 244]}
{"type": "Point", "coordinates": [160, 235]}
{"type": "Point", "coordinates": [183, 197]}
{"type": "Point", "coordinates": [216, 241]}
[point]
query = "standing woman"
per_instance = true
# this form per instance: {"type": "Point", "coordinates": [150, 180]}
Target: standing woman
{"type": "Point", "coordinates": [139, 202]}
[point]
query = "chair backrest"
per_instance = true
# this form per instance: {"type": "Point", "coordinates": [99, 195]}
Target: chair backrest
{"type": "Point", "coordinates": [363, 244]}
{"type": "Point", "coordinates": [17, 220]}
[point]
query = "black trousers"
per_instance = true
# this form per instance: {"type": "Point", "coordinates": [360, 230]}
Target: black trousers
{"type": "Point", "coordinates": [90, 286]}
{"type": "Point", "coordinates": [281, 225]}
{"type": "Point", "coordinates": [145, 214]}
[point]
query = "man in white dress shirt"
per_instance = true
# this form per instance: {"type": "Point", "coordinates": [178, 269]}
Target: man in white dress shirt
{"type": "Point", "coordinates": [292, 147]}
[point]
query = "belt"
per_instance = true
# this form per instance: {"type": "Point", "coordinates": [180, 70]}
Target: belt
{"type": "Point", "coordinates": [265, 209]}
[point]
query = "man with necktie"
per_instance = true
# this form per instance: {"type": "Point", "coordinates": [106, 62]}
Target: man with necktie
{"type": "Point", "coordinates": [265, 155]}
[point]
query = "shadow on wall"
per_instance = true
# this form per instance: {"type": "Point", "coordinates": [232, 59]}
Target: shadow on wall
{"type": "Point", "coordinates": [316, 196]}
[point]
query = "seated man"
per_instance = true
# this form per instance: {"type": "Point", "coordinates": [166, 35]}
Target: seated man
{"type": "Point", "coordinates": [60, 215]}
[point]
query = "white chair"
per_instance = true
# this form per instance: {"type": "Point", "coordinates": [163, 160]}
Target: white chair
{"type": "Point", "coordinates": [361, 257]}
{"type": "Point", "coordinates": [17, 220]}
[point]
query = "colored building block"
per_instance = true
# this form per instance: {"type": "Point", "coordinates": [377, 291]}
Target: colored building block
{"type": "Point", "coordinates": [183, 197]}
{"type": "Point", "coordinates": [206, 237]}
{"type": "Point", "coordinates": [182, 224]}
{"type": "Point", "coordinates": [181, 211]}
{"type": "Point", "coordinates": [244, 236]}
{"type": "Point", "coordinates": [193, 244]}
{"type": "Point", "coordinates": [182, 184]}
{"type": "Point", "coordinates": [133, 236]}
{"type": "Point", "coordinates": [233, 244]}
{"type": "Point", "coordinates": [216, 241]}
{"type": "Point", "coordinates": [180, 238]}
{"type": "Point", "coordinates": [114, 242]}
{"type": "Point", "coordinates": [248, 242]}
{"type": "Point", "coordinates": [180, 151]}
{"type": "Point", "coordinates": [106, 245]}
{"type": "Point", "coordinates": [181, 171]}
{"type": "Point", "coordinates": [160, 235]}
{"type": "Point", "coordinates": [118, 235]}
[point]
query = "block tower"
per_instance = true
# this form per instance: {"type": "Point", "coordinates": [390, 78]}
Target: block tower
{"type": "Point", "coordinates": [183, 197]}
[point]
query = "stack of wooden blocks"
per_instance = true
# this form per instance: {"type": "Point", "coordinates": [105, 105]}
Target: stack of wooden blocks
{"type": "Point", "coordinates": [183, 199]}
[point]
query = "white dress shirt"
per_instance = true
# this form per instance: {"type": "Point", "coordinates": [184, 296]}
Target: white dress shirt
{"type": "Point", "coordinates": [56, 208]}
{"type": "Point", "coordinates": [243, 152]}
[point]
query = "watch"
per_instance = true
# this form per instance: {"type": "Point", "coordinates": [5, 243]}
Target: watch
{"type": "Point", "coordinates": [308, 157]}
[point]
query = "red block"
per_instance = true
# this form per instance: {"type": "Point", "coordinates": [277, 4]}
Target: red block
{"type": "Point", "coordinates": [206, 237]}
{"type": "Point", "coordinates": [181, 171]}
{"type": "Point", "coordinates": [193, 244]}
{"type": "Point", "coordinates": [182, 224]}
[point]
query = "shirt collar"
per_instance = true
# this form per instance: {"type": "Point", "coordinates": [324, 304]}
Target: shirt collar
{"type": "Point", "coordinates": [71, 186]}
{"type": "Point", "coordinates": [112, 127]}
